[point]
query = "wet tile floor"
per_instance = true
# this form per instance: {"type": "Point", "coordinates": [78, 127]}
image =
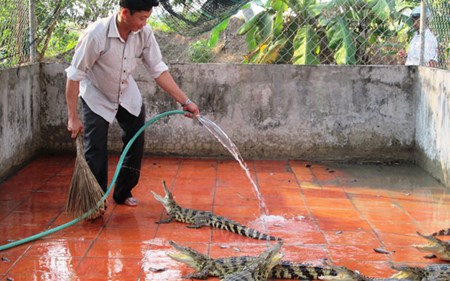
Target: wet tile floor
{"type": "Point", "coordinates": [333, 212]}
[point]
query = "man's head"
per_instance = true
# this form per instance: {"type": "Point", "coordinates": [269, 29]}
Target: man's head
{"type": "Point", "coordinates": [415, 16]}
{"type": "Point", "coordinates": [138, 5]}
{"type": "Point", "coordinates": [415, 13]}
{"type": "Point", "coordinates": [135, 13]}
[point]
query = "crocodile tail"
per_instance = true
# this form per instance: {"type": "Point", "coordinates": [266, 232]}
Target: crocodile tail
{"type": "Point", "coordinates": [299, 271]}
{"type": "Point", "coordinates": [235, 227]}
{"type": "Point", "coordinates": [442, 232]}
{"type": "Point", "coordinates": [255, 234]}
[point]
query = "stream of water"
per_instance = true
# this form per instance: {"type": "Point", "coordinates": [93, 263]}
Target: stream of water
{"type": "Point", "coordinates": [223, 138]}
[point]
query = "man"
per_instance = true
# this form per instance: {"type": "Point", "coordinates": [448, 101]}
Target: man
{"type": "Point", "coordinates": [101, 75]}
{"type": "Point", "coordinates": [430, 56]}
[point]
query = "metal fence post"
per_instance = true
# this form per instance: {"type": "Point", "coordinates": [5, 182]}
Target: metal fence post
{"type": "Point", "coordinates": [32, 35]}
{"type": "Point", "coordinates": [423, 20]}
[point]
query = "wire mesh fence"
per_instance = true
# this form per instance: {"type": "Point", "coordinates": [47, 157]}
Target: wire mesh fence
{"type": "Point", "coordinates": [304, 32]}
{"type": "Point", "coordinates": [439, 23]}
{"type": "Point", "coordinates": [14, 32]}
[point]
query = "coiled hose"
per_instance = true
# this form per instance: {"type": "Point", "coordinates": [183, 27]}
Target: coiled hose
{"type": "Point", "coordinates": [116, 174]}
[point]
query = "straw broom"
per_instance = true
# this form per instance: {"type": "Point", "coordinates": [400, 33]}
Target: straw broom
{"type": "Point", "coordinates": [85, 194]}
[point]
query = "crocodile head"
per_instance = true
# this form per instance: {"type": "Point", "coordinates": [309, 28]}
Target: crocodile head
{"type": "Point", "coordinates": [272, 256]}
{"type": "Point", "coordinates": [343, 274]}
{"type": "Point", "coordinates": [264, 263]}
{"type": "Point", "coordinates": [408, 272]}
{"type": "Point", "coordinates": [436, 246]}
{"type": "Point", "coordinates": [167, 201]}
{"type": "Point", "coordinates": [188, 256]}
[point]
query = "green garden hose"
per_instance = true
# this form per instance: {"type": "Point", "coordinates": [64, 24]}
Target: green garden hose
{"type": "Point", "coordinates": [116, 174]}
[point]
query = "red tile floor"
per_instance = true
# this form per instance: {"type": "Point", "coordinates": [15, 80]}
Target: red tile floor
{"type": "Point", "coordinates": [335, 212]}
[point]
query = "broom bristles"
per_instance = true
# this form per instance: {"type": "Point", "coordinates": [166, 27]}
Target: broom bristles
{"type": "Point", "coordinates": [85, 194]}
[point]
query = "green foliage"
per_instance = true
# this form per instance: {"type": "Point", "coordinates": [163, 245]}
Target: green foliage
{"type": "Point", "coordinates": [62, 43]}
{"type": "Point", "coordinates": [285, 31]}
{"type": "Point", "coordinates": [382, 8]}
{"type": "Point", "coordinates": [340, 39]}
{"type": "Point", "coordinates": [215, 33]}
{"type": "Point", "coordinates": [14, 40]}
{"type": "Point", "coordinates": [159, 25]}
{"type": "Point", "coordinates": [306, 44]}
{"type": "Point", "coordinates": [60, 22]}
{"type": "Point", "coordinates": [336, 31]}
{"type": "Point", "coordinates": [440, 25]}
{"type": "Point", "coordinates": [200, 52]}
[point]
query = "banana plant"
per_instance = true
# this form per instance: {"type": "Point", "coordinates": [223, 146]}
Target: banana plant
{"type": "Point", "coordinates": [272, 34]}
{"type": "Point", "coordinates": [306, 47]}
{"type": "Point", "coordinates": [315, 32]}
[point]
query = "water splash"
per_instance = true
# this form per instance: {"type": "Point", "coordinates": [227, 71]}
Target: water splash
{"type": "Point", "coordinates": [223, 138]}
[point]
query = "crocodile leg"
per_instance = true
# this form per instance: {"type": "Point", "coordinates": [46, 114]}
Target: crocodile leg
{"type": "Point", "coordinates": [167, 220]}
{"type": "Point", "coordinates": [199, 274]}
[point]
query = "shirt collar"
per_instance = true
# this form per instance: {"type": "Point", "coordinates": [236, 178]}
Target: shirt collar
{"type": "Point", "coordinates": [114, 31]}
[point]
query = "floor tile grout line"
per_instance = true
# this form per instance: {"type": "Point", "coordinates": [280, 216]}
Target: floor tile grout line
{"type": "Point", "coordinates": [260, 204]}
{"type": "Point", "coordinates": [397, 203]}
{"type": "Point", "coordinates": [31, 243]}
{"type": "Point", "coordinates": [110, 217]}
{"type": "Point", "coordinates": [323, 180]}
{"type": "Point", "coordinates": [23, 255]}
{"type": "Point", "coordinates": [89, 248]}
{"type": "Point", "coordinates": [213, 207]}
{"type": "Point", "coordinates": [305, 202]}
{"type": "Point", "coordinates": [361, 215]}
{"type": "Point", "coordinates": [179, 164]}
{"type": "Point", "coordinates": [33, 191]}
{"type": "Point", "coordinates": [372, 228]}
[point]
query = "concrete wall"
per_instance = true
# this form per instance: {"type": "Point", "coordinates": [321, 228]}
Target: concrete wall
{"type": "Point", "coordinates": [433, 122]}
{"type": "Point", "coordinates": [269, 111]}
{"type": "Point", "coordinates": [19, 116]}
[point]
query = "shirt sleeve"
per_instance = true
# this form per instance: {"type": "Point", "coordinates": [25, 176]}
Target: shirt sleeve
{"type": "Point", "coordinates": [86, 53]}
{"type": "Point", "coordinates": [75, 74]}
{"type": "Point", "coordinates": [152, 58]}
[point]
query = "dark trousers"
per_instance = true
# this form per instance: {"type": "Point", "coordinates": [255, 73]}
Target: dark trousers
{"type": "Point", "coordinates": [96, 149]}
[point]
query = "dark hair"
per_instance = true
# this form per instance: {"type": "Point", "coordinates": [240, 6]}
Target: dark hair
{"type": "Point", "coordinates": [138, 5]}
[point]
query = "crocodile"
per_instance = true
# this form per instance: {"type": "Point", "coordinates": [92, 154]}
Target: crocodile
{"type": "Point", "coordinates": [198, 218]}
{"type": "Point", "coordinates": [432, 272]}
{"type": "Point", "coordinates": [208, 267]}
{"type": "Point", "coordinates": [259, 268]}
{"type": "Point", "coordinates": [346, 274]}
{"type": "Point", "coordinates": [436, 246]}
{"type": "Point", "coordinates": [442, 232]}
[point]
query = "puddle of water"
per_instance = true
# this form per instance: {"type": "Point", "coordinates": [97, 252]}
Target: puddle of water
{"type": "Point", "coordinates": [223, 138]}
{"type": "Point", "coordinates": [273, 219]}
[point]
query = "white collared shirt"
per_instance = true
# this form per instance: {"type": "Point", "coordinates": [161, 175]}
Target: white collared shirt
{"type": "Point", "coordinates": [103, 63]}
{"type": "Point", "coordinates": [430, 49]}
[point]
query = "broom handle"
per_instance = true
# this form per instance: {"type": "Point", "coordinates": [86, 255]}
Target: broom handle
{"type": "Point", "coordinates": [116, 174]}
{"type": "Point", "coordinates": [79, 144]}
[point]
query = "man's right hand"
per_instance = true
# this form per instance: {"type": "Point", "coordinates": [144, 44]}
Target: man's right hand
{"type": "Point", "coordinates": [193, 109]}
{"type": "Point", "coordinates": [74, 126]}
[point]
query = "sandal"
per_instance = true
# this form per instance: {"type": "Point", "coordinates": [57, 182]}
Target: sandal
{"type": "Point", "coordinates": [131, 202]}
